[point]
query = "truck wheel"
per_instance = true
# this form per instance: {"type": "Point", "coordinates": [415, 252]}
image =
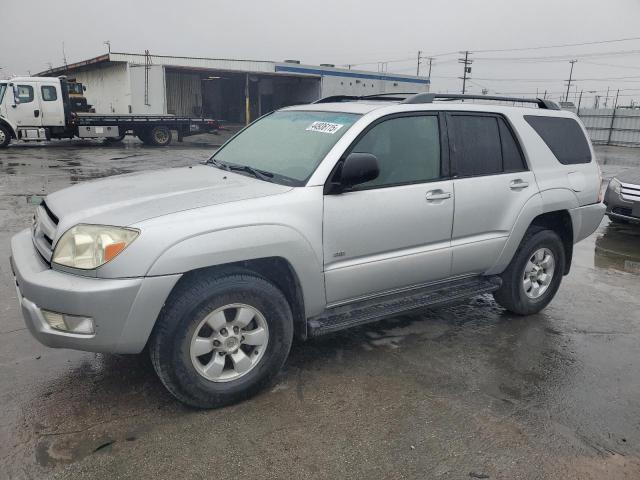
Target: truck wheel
{"type": "Point", "coordinates": [158, 136]}
{"type": "Point", "coordinates": [533, 277]}
{"type": "Point", "coordinates": [5, 137]}
{"type": "Point", "coordinates": [219, 340]}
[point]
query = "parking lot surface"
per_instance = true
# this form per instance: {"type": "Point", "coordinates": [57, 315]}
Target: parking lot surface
{"type": "Point", "coordinates": [462, 392]}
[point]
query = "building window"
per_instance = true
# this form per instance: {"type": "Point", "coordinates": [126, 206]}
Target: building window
{"type": "Point", "coordinates": [49, 93]}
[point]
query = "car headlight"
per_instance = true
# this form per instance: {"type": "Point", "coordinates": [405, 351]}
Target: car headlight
{"type": "Point", "coordinates": [89, 246]}
{"type": "Point", "coordinates": [615, 185]}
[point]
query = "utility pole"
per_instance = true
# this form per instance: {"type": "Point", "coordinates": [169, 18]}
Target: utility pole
{"type": "Point", "coordinates": [64, 57]}
{"type": "Point", "coordinates": [418, 66]}
{"type": "Point", "coordinates": [467, 69]}
{"type": "Point", "coordinates": [572, 62]}
{"type": "Point", "coordinates": [430, 62]}
{"type": "Point", "coordinates": [545, 94]}
{"type": "Point", "coordinates": [579, 102]}
{"type": "Point", "coordinates": [606, 99]}
{"type": "Point", "coordinates": [615, 103]}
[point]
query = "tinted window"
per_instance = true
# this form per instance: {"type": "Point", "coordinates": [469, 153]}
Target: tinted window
{"type": "Point", "coordinates": [25, 93]}
{"type": "Point", "coordinates": [3, 88]}
{"type": "Point", "coordinates": [476, 145]}
{"type": "Point", "coordinates": [512, 159]}
{"type": "Point", "coordinates": [563, 136]}
{"type": "Point", "coordinates": [407, 148]}
{"type": "Point", "coordinates": [49, 93]}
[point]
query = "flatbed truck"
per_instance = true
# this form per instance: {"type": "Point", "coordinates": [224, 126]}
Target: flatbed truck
{"type": "Point", "coordinates": [39, 108]}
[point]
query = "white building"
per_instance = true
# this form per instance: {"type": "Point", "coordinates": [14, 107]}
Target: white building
{"type": "Point", "coordinates": [219, 88]}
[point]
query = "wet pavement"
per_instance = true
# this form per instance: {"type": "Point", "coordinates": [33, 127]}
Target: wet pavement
{"type": "Point", "coordinates": [457, 393]}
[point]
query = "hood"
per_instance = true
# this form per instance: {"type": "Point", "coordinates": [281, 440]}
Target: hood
{"type": "Point", "coordinates": [127, 199]}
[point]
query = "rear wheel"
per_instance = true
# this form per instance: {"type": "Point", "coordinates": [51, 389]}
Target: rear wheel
{"type": "Point", "coordinates": [5, 137]}
{"type": "Point", "coordinates": [533, 277]}
{"type": "Point", "coordinates": [221, 339]}
{"type": "Point", "coordinates": [159, 136]}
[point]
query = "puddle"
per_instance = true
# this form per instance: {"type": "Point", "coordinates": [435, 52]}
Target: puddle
{"type": "Point", "coordinates": [618, 248]}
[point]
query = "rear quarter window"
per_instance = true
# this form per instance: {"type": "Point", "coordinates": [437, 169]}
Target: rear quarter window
{"type": "Point", "coordinates": [563, 136]}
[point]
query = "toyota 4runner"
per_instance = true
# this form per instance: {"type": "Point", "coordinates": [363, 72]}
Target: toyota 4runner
{"type": "Point", "coordinates": [312, 219]}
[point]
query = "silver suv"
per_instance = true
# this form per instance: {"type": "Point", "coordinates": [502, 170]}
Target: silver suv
{"type": "Point", "coordinates": [313, 219]}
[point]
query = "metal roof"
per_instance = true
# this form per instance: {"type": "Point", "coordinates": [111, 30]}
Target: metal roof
{"type": "Point", "coordinates": [239, 65]}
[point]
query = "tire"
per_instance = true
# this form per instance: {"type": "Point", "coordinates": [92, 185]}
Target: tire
{"type": "Point", "coordinates": [5, 137]}
{"type": "Point", "coordinates": [518, 296]}
{"type": "Point", "coordinates": [159, 136]}
{"type": "Point", "coordinates": [191, 309]}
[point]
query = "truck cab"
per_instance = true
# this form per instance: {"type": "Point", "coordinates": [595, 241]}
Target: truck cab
{"type": "Point", "coordinates": [31, 108]}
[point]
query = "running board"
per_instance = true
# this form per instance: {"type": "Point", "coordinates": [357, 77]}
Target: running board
{"type": "Point", "coordinates": [365, 311]}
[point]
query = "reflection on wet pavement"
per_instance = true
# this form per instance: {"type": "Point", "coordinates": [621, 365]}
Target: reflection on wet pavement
{"type": "Point", "coordinates": [466, 391]}
{"type": "Point", "coordinates": [618, 247]}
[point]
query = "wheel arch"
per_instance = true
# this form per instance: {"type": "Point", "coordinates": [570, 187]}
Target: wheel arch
{"type": "Point", "coordinates": [276, 270]}
{"type": "Point", "coordinates": [9, 127]}
{"type": "Point", "coordinates": [549, 210]}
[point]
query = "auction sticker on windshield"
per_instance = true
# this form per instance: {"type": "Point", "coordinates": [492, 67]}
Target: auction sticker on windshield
{"type": "Point", "coordinates": [325, 127]}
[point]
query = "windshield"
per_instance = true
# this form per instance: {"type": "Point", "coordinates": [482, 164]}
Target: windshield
{"type": "Point", "coordinates": [3, 87]}
{"type": "Point", "coordinates": [286, 145]}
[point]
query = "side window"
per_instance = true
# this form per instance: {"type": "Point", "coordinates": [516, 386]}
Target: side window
{"type": "Point", "coordinates": [563, 136]}
{"type": "Point", "coordinates": [476, 145]}
{"type": "Point", "coordinates": [25, 93]}
{"type": "Point", "coordinates": [407, 148]}
{"type": "Point", "coordinates": [49, 93]}
{"type": "Point", "coordinates": [512, 159]}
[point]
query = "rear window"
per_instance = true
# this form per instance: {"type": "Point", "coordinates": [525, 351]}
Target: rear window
{"type": "Point", "coordinates": [563, 136]}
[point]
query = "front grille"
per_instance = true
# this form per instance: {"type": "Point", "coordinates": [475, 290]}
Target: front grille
{"type": "Point", "coordinates": [630, 192]}
{"type": "Point", "coordinates": [44, 231]}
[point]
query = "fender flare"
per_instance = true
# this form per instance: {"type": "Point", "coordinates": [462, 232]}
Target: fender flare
{"type": "Point", "coordinates": [252, 242]}
{"type": "Point", "coordinates": [544, 202]}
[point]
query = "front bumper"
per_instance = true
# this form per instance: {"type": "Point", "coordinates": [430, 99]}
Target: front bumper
{"type": "Point", "coordinates": [619, 208]}
{"type": "Point", "coordinates": [123, 310]}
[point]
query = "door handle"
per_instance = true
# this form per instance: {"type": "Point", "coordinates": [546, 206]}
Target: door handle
{"type": "Point", "coordinates": [518, 184]}
{"type": "Point", "coordinates": [435, 195]}
{"type": "Point", "coordinates": [36, 113]}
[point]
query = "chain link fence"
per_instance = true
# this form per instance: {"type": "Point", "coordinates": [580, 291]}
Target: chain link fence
{"type": "Point", "coordinates": [609, 126]}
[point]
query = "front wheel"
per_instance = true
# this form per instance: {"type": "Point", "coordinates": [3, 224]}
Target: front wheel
{"type": "Point", "coordinates": [5, 137]}
{"type": "Point", "coordinates": [533, 277]}
{"type": "Point", "coordinates": [221, 339]}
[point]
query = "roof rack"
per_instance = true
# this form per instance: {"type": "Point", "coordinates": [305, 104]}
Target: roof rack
{"type": "Point", "coordinates": [430, 97]}
{"type": "Point", "coordinates": [389, 97]}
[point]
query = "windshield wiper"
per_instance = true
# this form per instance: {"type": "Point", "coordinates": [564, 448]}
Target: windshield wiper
{"type": "Point", "coordinates": [219, 164]}
{"type": "Point", "coordinates": [259, 174]}
{"type": "Point", "coordinates": [234, 167]}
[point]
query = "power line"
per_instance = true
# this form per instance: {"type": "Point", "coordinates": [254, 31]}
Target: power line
{"type": "Point", "coordinates": [560, 45]}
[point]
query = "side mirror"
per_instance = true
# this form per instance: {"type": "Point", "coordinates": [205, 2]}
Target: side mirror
{"type": "Point", "coordinates": [357, 168]}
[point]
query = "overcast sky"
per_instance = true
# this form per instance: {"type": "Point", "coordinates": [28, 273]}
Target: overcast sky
{"type": "Point", "coordinates": [349, 32]}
